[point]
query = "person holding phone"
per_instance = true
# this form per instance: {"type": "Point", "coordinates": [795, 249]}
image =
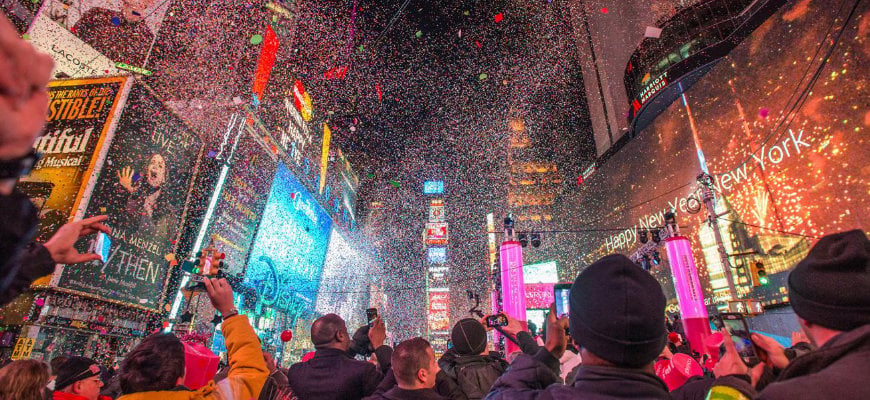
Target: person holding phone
{"type": "Point", "coordinates": [829, 291]}
{"type": "Point", "coordinates": [617, 319]}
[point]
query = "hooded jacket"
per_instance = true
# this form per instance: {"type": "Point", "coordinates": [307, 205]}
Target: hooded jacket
{"type": "Point", "coordinates": [247, 373]}
{"type": "Point", "coordinates": [533, 378]}
{"type": "Point", "coordinates": [837, 370]}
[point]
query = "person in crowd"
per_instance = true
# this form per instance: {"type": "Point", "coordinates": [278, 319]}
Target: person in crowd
{"type": "Point", "coordinates": [415, 371]}
{"type": "Point", "coordinates": [277, 386]}
{"type": "Point", "coordinates": [676, 344]}
{"type": "Point", "coordinates": [332, 373]}
{"type": "Point", "coordinates": [23, 380]}
{"type": "Point", "coordinates": [24, 76]}
{"type": "Point", "coordinates": [78, 379]}
{"type": "Point", "coordinates": [55, 365]}
{"type": "Point", "coordinates": [155, 368]}
{"type": "Point", "coordinates": [468, 363]}
{"type": "Point", "coordinates": [829, 291]}
{"type": "Point", "coordinates": [617, 319]}
{"type": "Point", "coordinates": [361, 345]}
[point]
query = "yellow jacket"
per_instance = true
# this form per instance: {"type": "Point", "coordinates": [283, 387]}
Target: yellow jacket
{"type": "Point", "coordinates": [247, 372]}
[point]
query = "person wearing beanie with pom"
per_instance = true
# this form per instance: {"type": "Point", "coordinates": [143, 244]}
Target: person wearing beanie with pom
{"type": "Point", "coordinates": [829, 291]}
{"type": "Point", "coordinates": [617, 319]}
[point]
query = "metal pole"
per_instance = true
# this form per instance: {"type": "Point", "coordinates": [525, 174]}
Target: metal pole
{"type": "Point", "coordinates": [709, 199]}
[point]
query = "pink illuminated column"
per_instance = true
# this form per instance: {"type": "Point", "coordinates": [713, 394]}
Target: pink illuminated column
{"type": "Point", "coordinates": [513, 288]}
{"type": "Point", "coordinates": [696, 323]}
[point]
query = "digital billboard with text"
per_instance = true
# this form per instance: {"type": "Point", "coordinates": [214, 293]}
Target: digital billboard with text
{"type": "Point", "coordinates": [786, 171]}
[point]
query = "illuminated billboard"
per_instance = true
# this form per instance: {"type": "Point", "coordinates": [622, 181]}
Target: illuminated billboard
{"type": "Point", "coordinates": [785, 173]}
{"type": "Point", "coordinates": [287, 257]}
{"type": "Point", "coordinates": [436, 233]}
{"type": "Point", "coordinates": [436, 211]}
{"type": "Point", "coordinates": [343, 283]}
{"type": "Point", "coordinates": [544, 272]}
{"type": "Point", "coordinates": [433, 187]}
{"type": "Point", "coordinates": [437, 255]}
{"type": "Point", "coordinates": [439, 311]}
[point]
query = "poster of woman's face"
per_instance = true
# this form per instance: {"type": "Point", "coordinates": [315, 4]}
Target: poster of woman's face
{"type": "Point", "coordinates": [155, 173]}
{"type": "Point", "coordinates": [122, 30]}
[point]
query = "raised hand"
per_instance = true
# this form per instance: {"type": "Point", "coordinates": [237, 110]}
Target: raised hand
{"type": "Point", "coordinates": [61, 245]}
{"type": "Point", "coordinates": [125, 179]}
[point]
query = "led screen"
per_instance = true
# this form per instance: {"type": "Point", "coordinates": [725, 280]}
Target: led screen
{"type": "Point", "coordinates": [437, 255]}
{"type": "Point", "coordinates": [343, 287]}
{"type": "Point", "coordinates": [289, 250]}
{"type": "Point", "coordinates": [786, 170]}
{"type": "Point", "coordinates": [433, 187]}
{"type": "Point", "coordinates": [544, 272]}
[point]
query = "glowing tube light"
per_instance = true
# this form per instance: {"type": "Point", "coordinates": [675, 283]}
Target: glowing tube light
{"type": "Point", "coordinates": [696, 323]}
{"type": "Point", "coordinates": [513, 289]}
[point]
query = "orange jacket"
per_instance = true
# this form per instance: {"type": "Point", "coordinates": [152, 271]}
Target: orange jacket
{"type": "Point", "coordinates": [247, 373]}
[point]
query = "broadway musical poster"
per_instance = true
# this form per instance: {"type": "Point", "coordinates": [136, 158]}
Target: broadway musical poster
{"type": "Point", "coordinates": [144, 188]}
{"type": "Point", "coordinates": [80, 114]}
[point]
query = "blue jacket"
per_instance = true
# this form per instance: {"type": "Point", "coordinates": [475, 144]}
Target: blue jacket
{"type": "Point", "coordinates": [533, 378]}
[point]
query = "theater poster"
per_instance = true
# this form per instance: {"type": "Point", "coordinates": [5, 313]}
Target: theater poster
{"type": "Point", "coordinates": [144, 188]}
{"type": "Point", "coordinates": [80, 115]}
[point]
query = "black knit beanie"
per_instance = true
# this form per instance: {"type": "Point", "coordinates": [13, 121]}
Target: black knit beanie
{"type": "Point", "coordinates": [618, 312]}
{"type": "Point", "coordinates": [831, 286]}
{"type": "Point", "coordinates": [468, 337]}
{"type": "Point", "coordinates": [75, 369]}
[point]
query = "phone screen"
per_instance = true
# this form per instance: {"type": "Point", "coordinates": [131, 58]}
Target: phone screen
{"type": "Point", "coordinates": [561, 295]}
{"type": "Point", "coordinates": [371, 315]}
{"type": "Point", "coordinates": [103, 245]}
{"type": "Point", "coordinates": [741, 338]}
{"type": "Point", "coordinates": [493, 321]}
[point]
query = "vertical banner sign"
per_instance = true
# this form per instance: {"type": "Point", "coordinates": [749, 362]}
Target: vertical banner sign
{"type": "Point", "coordinates": [144, 189]}
{"type": "Point", "coordinates": [512, 285]}
{"type": "Point", "coordinates": [324, 156]}
{"type": "Point", "coordinates": [689, 295]}
{"type": "Point", "coordinates": [436, 211]}
{"type": "Point", "coordinates": [439, 304]}
{"type": "Point", "coordinates": [241, 202]}
{"type": "Point", "coordinates": [265, 64]}
{"type": "Point", "coordinates": [80, 112]}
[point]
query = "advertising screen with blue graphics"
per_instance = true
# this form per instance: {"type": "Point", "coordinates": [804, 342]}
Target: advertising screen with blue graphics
{"type": "Point", "coordinates": [287, 257]}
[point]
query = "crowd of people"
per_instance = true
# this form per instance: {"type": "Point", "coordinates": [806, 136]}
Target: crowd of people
{"type": "Point", "coordinates": [604, 349]}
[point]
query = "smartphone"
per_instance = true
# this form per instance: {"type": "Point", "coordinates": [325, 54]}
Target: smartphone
{"type": "Point", "coordinates": [102, 246]}
{"type": "Point", "coordinates": [495, 320]}
{"type": "Point", "coordinates": [737, 327]}
{"type": "Point", "coordinates": [562, 295]}
{"type": "Point", "coordinates": [371, 315]}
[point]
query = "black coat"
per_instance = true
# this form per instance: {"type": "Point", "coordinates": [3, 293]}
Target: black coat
{"type": "Point", "coordinates": [21, 260]}
{"type": "Point", "coordinates": [397, 393]}
{"type": "Point", "coordinates": [331, 374]}
{"type": "Point", "coordinates": [534, 378]}
{"type": "Point", "coordinates": [444, 386]}
{"type": "Point", "coordinates": [838, 370]}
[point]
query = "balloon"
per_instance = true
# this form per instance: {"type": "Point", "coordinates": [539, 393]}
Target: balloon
{"type": "Point", "coordinates": [286, 336]}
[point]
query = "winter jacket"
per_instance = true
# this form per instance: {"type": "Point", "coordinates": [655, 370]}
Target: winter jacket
{"type": "Point", "coordinates": [331, 374]}
{"type": "Point", "coordinates": [837, 370]}
{"type": "Point", "coordinates": [70, 396]}
{"type": "Point", "coordinates": [247, 373]}
{"type": "Point", "coordinates": [534, 378]}
{"type": "Point", "coordinates": [21, 260]}
{"type": "Point", "coordinates": [474, 374]}
{"type": "Point", "coordinates": [397, 393]}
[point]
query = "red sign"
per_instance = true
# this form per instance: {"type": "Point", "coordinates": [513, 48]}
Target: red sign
{"type": "Point", "coordinates": [265, 63]}
{"type": "Point", "coordinates": [302, 100]}
{"type": "Point", "coordinates": [436, 233]}
{"type": "Point", "coordinates": [539, 295]}
{"type": "Point", "coordinates": [439, 311]}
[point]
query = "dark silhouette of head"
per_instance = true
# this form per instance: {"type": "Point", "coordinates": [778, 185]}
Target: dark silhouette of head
{"type": "Point", "coordinates": [330, 332]}
{"type": "Point", "coordinates": [155, 364]}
